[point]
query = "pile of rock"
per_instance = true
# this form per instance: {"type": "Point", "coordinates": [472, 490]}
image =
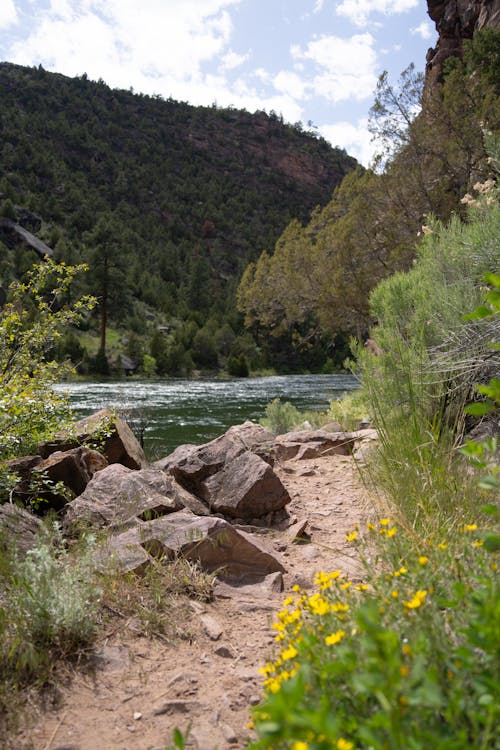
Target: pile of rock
{"type": "Point", "coordinates": [201, 502]}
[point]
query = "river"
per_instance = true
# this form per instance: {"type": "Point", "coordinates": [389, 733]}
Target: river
{"type": "Point", "coordinates": [178, 411]}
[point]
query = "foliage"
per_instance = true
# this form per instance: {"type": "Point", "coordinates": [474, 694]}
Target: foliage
{"type": "Point", "coordinates": [350, 409]}
{"type": "Point", "coordinates": [406, 659]}
{"type": "Point", "coordinates": [48, 610]}
{"type": "Point", "coordinates": [319, 278]}
{"type": "Point", "coordinates": [33, 320]}
{"type": "Point", "coordinates": [428, 363]}
{"type": "Point", "coordinates": [483, 452]}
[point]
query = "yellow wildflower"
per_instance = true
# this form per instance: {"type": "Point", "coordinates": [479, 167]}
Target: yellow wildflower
{"type": "Point", "coordinates": [385, 522]}
{"type": "Point", "coordinates": [477, 543]}
{"type": "Point", "coordinates": [361, 587]}
{"type": "Point", "coordinates": [404, 671]}
{"type": "Point", "coordinates": [417, 600]}
{"type": "Point", "coordinates": [370, 526]}
{"type": "Point", "coordinates": [423, 560]}
{"type": "Point", "coordinates": [343, 744]}
{"type": "Point", "coordinates": [299, 745]}
{"type": "Point", "coordinates": [406, 649]}
{"type": "Point", "coordinates": [442, 545]}
{"type": "Point", "coordinates": [318, 605]}
{"type": "Point", "coordinates": [470, 527]}
{"type": "Point", "coordinates": [391, 532]}
{"type": "Point", "coordinates": [394, 594]}
{"type": "Point", "coordinates": [352, 536]}
{"type": "Point", "coordinates": [334, 638]}
{"type": "Point", "coordinates": [289, 653]}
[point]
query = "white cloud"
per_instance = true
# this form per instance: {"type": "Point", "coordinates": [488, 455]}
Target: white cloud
{"type": "Point", "coordinates": [8, 13]}
{"type": "Point", "coordinates": [359, 11]}
{"type": "Point", "coordinates": [289, 83]}
{"type": "Point", "coordinates": [232, 60]}
{"type": "Point", "coordinates": [356, 139]}
{"type": "Point", "coordinates": [424, 30]}
{"type": "Point", "coordinates": [347, 67]}
{"type": "Point", "coordinates": [155, 46]}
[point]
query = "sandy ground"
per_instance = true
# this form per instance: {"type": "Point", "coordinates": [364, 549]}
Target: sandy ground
{"type": "Point", "coordinates": [142, 688]}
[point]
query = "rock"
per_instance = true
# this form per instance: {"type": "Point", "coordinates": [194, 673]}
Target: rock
{"type": "Point", "coordinates": [263, 587]}
{"type": "Point", "coordinates": [177, 707]}
{"type": "Point", "coordinates": [246, 487]}
{"type": "Point", "coordinates": [18, 528]}
{"type": "Point", "coordinates": [456, 20]}
{"type": "Point", "coordinates": [119, 444]}
{"type": "Point", "coordinates": [192, 465]}
{"type": "Point", "coordinates": [211, 627]}
{"type": "Point", "coordinates": [74, 468]}
{"type": "Point", "coordinates": [225, 651]}
{"type": "Point", "coordinates": [312, 444]}
{"type": "Point", "coordinates": [297, 531]}
{"type": "Point", "coordinates": [212, 542]}
{"type": "Point", "coordinates": [117, 494]}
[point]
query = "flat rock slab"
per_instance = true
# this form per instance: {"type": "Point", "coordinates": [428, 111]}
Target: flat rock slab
{"type": "Point", "coordinates": [211, 542]}
{"type": "Point", "coordinates": [305, 444]}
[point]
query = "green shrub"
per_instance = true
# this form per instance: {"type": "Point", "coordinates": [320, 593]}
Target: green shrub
{"type": "Point", "coordinates": [281, 417]}
{"type": "Point", "coordinates": [350, 409]}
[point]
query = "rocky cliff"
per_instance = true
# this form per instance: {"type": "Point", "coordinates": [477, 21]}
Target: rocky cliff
{"type": "Point", "coordinates": [455, 21]}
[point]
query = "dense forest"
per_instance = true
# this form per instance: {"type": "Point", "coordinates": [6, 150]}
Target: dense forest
{"type": "Point", "coordinates": [167, 203]}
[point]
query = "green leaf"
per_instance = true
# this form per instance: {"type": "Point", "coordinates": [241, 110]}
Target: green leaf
{"type": "Point", "coordinates": [479, 409]}
{"type": "Point", "coordinates": [489, 509]}
{"type": "Point", "coordinates": [489, 483]}
{"type": "Point", "coordinates": [491, 542]}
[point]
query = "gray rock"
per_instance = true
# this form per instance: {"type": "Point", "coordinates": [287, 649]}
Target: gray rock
{"type": "Point", "coordinates": [313, 444]}
{"type": "Point", "coordinates": [18, 528]}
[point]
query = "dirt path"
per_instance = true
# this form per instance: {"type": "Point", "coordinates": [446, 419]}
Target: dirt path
{"type": "Point", "coordinates": [142, 688]}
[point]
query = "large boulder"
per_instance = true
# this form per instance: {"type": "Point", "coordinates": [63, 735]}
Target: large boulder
{"type": "Point", "coordinates": [191, 465]}
{"type": "Point", "coordinates": [18, 528]}
{"type": "Point", "coordinates": [115, 438]}
{"type": "Point", "coordinates": [211, 542]}
{"type": "Point", "coordinates": [245, 487]}
{"type": "Point", "coordinates": [74, 468]}
{"type": "Point", "coordinates": [117, 495]}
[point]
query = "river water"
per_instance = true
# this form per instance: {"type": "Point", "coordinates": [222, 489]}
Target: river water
{"type": "Point", "coordinates": [177, 411]}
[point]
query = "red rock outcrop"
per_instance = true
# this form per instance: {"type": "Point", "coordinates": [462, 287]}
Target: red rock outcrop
{"type": "Point", "coordinates": [456, 20]}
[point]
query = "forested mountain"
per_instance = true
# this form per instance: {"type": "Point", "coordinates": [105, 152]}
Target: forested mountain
{"type": "Point", "coordinates": [165, 201]}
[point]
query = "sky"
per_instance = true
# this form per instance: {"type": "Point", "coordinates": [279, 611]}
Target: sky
{"type": "Point", "coordinates": [313, 61]}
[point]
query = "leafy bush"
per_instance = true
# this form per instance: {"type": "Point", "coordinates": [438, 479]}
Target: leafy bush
{"type": "Point", "coordinates": [350, 409]}
{"type": "Point", "coordinates": [31, 323]}
{"type": "Point", "coordinates": [285, 417]}
{"type": "Point", "coordinates": [406, 660]}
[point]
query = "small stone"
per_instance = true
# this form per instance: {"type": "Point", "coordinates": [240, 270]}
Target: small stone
{"type": "Point", "coordinates": [226, 652]}
{"type": "Point", "coordinates": [137, 715]}
{"type": "Point", "coordinates": [229, 734]}
{"type": "Point", "coordinates": [211, 627]}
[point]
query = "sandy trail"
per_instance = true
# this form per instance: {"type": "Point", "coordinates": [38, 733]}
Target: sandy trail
{"type": "Point", "coordinates": [142, 688]}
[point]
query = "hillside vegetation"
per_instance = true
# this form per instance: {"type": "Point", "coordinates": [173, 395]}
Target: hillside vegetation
{"type": "Point", "coordinates": [166, 202]}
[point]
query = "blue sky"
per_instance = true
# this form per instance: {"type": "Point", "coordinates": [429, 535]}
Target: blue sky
{"type": "Point", "coordinates": [310, 60]}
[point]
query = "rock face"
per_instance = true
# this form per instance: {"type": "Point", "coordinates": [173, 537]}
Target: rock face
{"type": "Point", "coordinates": [455, 21]}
